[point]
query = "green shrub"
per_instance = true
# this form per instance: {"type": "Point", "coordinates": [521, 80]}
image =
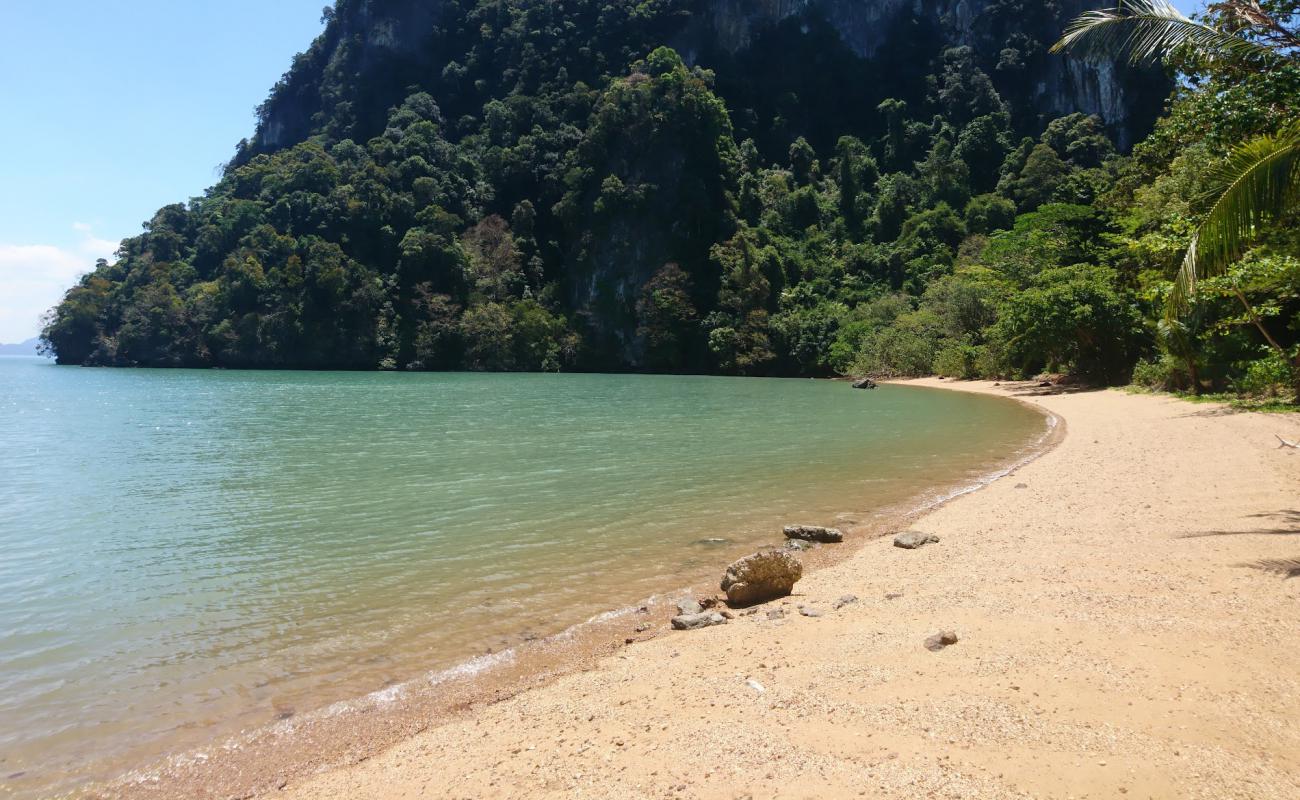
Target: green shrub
{"type": "Point", "coordinates": [1271, 376]}
{"type": "Point", "coordinates": [895, 352]}
{"type": "Point", "coordinates": [959, 360]}
{"type": "Point", "coordinates": [1160, 374]}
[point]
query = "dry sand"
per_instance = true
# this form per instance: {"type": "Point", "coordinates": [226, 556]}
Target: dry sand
{"type": "Point", "coordinates": [1128, 608]}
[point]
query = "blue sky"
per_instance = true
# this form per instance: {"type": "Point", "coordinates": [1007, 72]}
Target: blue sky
{"type": "Point", "coordinates": [114, 109]}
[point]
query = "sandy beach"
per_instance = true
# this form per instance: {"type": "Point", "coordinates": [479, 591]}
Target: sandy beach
{"type": "Point", "coordinates": [1127, 608]}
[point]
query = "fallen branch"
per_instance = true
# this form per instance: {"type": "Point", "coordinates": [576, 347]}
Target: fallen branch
{"type": "Point", "coordinates": [1285, 443]}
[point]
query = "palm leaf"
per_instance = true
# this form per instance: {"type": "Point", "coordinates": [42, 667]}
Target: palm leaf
{"type": "Point", "coordinates": [1148, 31]}
{"type": "Point", "coordinates": [1257, 184]}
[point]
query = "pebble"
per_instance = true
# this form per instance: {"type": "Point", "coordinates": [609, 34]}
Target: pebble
{"type": "Point", "coordinates": [940, 641]}
{"type": "Point", "coordinates": [688, 606]}
{"type": "Point", "coordinates": [912, 540]}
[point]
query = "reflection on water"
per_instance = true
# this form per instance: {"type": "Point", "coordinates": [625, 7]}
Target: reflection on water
{"type": "Point", "coordinates": [183, 554]}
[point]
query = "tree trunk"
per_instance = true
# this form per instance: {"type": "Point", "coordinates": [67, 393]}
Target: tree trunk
{"type": "Point", "coordinates": [1259, 323]}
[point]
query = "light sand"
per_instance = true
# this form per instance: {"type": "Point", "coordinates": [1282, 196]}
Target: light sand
{"type": "Point", "coordinates": [1128, 608]}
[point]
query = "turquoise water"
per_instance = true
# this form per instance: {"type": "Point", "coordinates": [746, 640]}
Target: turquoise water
{"type": "Point", "coordinates": [186, 553]}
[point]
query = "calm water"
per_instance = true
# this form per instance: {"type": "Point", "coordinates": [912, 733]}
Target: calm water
{"type": "Point", "coordinates": [186, 553]}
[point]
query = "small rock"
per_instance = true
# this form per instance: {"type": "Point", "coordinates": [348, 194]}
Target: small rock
{"type": "Point", "coordinates": [687, 606]}
{"type": "Point", "coordinates": [692, 622]}
{"type": "Point", "coordinates": [893, 595]}
{"type": "Point", "coordinates": [911, 540]}
{"type": "Point", "coordinates": [808, 611]}
{"type": "Point", "coordinates": [776, 613]}
{"type": "Point", "coordinates": [798, 545]}
{"type": "Point", "coordinates": [727, 614]}
{"type": "Point", "coordinates": [865, 383]}
{"type": "Point", "coordinates": [629, 641]}
{"type": "Point", "coordinates": [1022, 486]}
{"type": "Point", "coordinates": [814, 533]}
{"type": "Point", "coordinates": [642, 628]}
{"type": "Point", "coordinates": [755, 685]}
{"type": "Point", "coordinates": [846, 600]}
{"type": "Point", "coordinates": [762, 576]}
{"type": "Point", "coordinates": [940, 640]}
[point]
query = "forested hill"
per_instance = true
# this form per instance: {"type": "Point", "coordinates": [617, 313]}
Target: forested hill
{"type": "Point", "coordinates": [735, 186]}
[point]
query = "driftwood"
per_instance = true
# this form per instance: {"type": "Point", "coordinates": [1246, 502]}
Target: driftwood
{"type": "Point", "coordinates": [1285, 443]}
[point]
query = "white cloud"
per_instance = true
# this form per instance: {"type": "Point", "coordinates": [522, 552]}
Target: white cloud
{"type": "Point", "coordinates": [33, 277]}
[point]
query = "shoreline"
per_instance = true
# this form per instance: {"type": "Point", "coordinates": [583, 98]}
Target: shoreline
{"type": "Point", "coordinates": [261, 760]}
{"type": "Point", "coordinates": [1126, 625]}
{"type": "Point", "coordinates": [1126, 621]}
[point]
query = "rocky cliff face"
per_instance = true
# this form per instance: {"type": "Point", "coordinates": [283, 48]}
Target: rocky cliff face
{"type": "Point", "coordinates": [995, 28]}
{"type": "Point", "coordinates": [374, 49]}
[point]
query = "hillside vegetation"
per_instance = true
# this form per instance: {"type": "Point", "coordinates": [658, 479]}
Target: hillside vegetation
{"type": "Point", "coordinates": [551, 186]}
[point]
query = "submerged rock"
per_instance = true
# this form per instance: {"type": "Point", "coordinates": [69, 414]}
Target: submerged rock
{"type": "Point", "coordinates": [814, 533]}
{"type": "Point", "coordinates": [762, 576]}
{"type": "Point", "coordinates": [705, 619]}
{"type": "Point", "coordinates": [911, 540]}
{"type": "Point", "coordinates": [713, 541]}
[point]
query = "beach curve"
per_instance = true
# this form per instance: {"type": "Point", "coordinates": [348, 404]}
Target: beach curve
{"type": "Point", "coordinates": [1107, 646]}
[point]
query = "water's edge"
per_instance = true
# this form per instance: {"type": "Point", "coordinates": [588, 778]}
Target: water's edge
{"type": "Point", "coordinates": [266, 759]}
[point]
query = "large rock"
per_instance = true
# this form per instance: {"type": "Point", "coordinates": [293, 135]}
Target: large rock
{"type": "Point", "coordinates": [865, 383]}
{"type": "Point", "coordinates": [705, 619]}
{"type": "Point", "coordinates": [914, 539]}
{"type": "Point", "coordinates": [814, 533]}
{"type": "Point", "coordinates": [763, 576]}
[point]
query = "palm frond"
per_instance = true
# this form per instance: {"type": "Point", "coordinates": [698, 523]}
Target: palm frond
{"type": "Point", "coordinates": [1148, 31]}
{"type": "Point", "coordinates": [1259, 182]}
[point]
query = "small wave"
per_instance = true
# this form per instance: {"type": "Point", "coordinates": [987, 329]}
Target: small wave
{"type": "Point", "coordinates": [1034, 452]}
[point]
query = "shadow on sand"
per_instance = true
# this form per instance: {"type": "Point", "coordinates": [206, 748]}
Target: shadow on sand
{"type": "Point", "coordinates": [1287, 523]}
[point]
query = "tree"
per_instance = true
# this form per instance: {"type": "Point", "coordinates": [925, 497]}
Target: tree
{"type": "Point", "coordinates": [667, 320]}
{"type": "Point", "coordinates": [1259, 182]}
{"type": "Point", "coordinates": [1072, 318]}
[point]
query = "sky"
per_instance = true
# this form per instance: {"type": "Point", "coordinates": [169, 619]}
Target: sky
{"type": "Point", "coordinates": [113, 109]}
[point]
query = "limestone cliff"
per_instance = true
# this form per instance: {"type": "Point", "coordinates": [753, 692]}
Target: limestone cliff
{"type": "Point", "coordinates": [373, 51]}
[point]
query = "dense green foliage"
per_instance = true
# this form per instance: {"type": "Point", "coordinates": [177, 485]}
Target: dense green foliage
{"type": "Point", "coordinates": [563, 192]}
